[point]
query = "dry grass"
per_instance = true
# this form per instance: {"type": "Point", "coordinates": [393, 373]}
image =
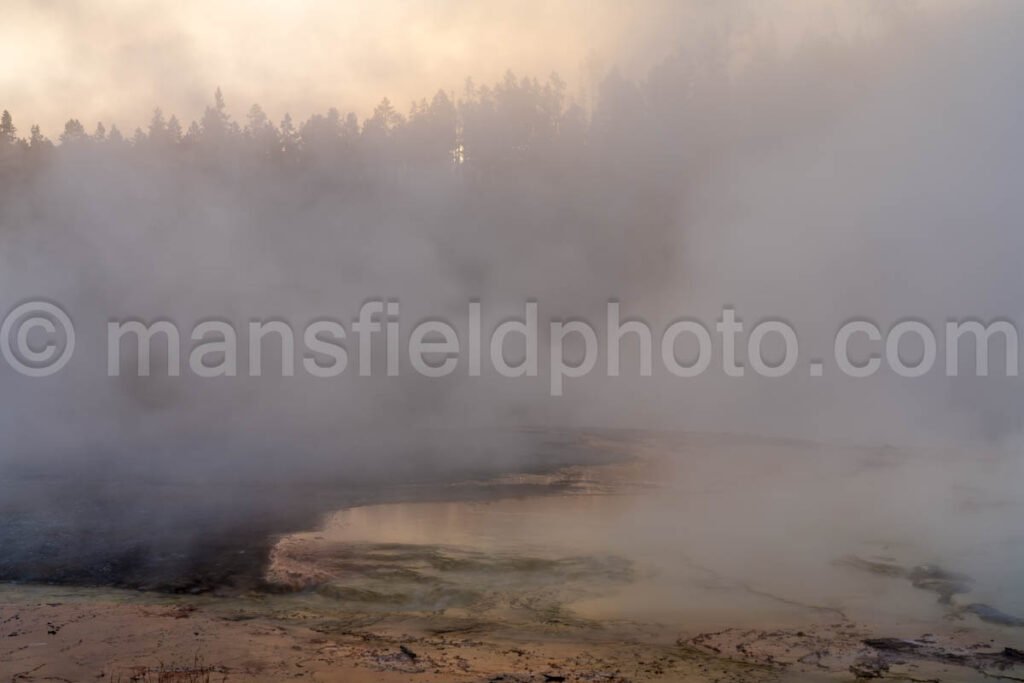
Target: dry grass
{"type": "Point", "coordinates": [197, 672]}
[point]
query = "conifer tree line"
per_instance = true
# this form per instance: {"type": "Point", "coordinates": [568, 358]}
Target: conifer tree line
{"type": "Point", "coordinates": [488, 179]}
{"type": "Point", "coordinates": [672, 114]}
{"type": "Point", "coordinates": [515, 120]}
{"type": "Point", "coordinates": [681, 111]}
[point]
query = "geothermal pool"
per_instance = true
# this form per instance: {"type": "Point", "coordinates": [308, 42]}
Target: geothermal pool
{"type": "Point", "coordinates": [679, 558]}
{"type": "Point", "coordinates": [710, 530]}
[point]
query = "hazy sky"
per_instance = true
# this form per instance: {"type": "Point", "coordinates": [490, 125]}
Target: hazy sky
{"type": "Point", "coordinates": [115, 60]}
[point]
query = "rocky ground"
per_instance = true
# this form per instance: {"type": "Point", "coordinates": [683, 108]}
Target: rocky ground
{"type": "Point", "coordinates": [60, 635]}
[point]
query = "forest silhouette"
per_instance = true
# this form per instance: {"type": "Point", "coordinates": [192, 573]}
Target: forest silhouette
{"type": "Point", "coordinates": [502, 168]}
{"type": "Point", "coordinates": [486, 129]}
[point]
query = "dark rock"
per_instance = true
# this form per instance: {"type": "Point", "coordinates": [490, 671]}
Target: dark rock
{"type": "Point", "coordinates": [993, 615]}
{"type": "Point", "coordinates": [874, 667]}
{"type": "Point", "coordinates": [893, 644]}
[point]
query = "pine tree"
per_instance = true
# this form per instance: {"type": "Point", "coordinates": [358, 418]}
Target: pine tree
{"type": "Point", "coordinates": [7, 129]}
{"type": "Point", "coordinates": [74, 132]}
{"type": "Point", "coordinates": [158, 127]}
{"type": "Point", "coordinates": [216, 124]}
{"type": "Point", "coordinates": [37, 140]}
{"type": "Point", "coordinates": [174, 133]}
{"type": "Point", "coordinates": [384, 120]}
{"type": "Point", "coordinates": [289, 139]}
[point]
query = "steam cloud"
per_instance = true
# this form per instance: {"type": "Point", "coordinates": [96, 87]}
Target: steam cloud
{"type": "Point", "coordinates": [867, 175]}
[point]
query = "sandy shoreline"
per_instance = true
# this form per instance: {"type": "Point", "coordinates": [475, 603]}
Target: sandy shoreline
{"type": "Point", "coordinates": [50, 635]}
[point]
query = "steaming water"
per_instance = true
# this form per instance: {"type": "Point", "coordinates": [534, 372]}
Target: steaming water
{"type": "Point", "coordinates": [712, 531]}
{"type": "Point", "coordinates": [690, 535]}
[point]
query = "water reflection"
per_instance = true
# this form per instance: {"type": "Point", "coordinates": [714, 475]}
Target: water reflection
{"type": "Point", "coordinates": [717, 530]}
